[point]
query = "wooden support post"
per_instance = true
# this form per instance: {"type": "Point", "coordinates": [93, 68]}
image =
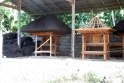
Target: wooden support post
{"type": "Point", "coordinates": [91, 16]}
{"type": "Point", "coordinates": [83, 47]}
{"type": "Point", "coordinates": [50, 45]}
{"type": "Point", "coordinates": [29, 18]}
{"type": "Point", "coordinates": [73, 28]}
{"type": "Point", "coordinates": [55, 48]}
{"type": "Point", "coordinates": [108, 46]}
{"type": "Point", "coordinates": [113, 18]}
{"type": "Point", "coordinates": [105, 46]}
{"type": "Point", "coordinates": [36, 46]}
{"type": "Point", "coordinates": [19, 23]}
{"type": "Point", "coordinates": [123, 46]}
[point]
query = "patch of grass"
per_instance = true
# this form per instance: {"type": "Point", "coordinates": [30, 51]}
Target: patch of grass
{"type": "Point", "coordinates": [91, 77]}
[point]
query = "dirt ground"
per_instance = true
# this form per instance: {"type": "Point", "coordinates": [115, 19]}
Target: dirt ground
{"type": "Point", "coordinates": [43, 69]}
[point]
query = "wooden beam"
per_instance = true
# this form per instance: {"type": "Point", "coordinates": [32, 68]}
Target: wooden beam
{"type": "Point", "coordinates": [105, 46]}
{"type": "Point", "coordinates": [83, 47]}
{"type": "Point", "coordinates": [9, 6]}
{"type": "Point", "coordinates": [79, 6]}
{"type": "Point", "coordinates": [44, 5]}
{"type": "Point", "coordinates": [65, 3]}
{"type": "Point", "coordinates": [90, 4]}
{"type": "Point", "coordinates": [104, 4]}
{"type": "Point", "coordinates": [85, 9]}
{"type": "Point", "coordinates": [119, 3]}
{"type": "Point", "coordinates": [57, 7]}
{"type": "Point", "coordinates": [43, 44]}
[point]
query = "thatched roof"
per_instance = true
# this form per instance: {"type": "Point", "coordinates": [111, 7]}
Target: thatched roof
{"type": "Point", "coordinates": [119, 27]}
{"type": "Point", "coordinates": [47, 23]}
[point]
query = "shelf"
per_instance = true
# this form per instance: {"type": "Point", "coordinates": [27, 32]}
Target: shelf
{"type": "Point", "coordinates": [95, 44]}
{"type": "Point", "coordinates": [94, 52]}
{"type": "Point", "coordinates": [42, 52]}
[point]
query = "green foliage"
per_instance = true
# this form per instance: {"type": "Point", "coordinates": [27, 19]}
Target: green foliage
{"type": "Point", "coordinates": [80, 19]}
{"type": "Point", "coordinates": [9, 21]}
{"type": "Point", "coordinates": [91, 77]}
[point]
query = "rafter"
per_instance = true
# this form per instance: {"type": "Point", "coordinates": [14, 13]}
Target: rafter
{"type": "Point", "coordinates": [9, 6]}
{"type": "Point", "coordinates": [79, 6]}
{"type": "Point", "coordinates": [89, 3]}
{"type": "Point", "coordinates": [65, 3]}
{"type": "Point", "coordinates": [119, 3]}
{"type": "Point", "coordinates": [28, 6]}
{"type": "Point", "coordinates": [78, 11]}
{"type": "Point", "coordinates": [56, 6]}
{"type": "Point", "coordinates": [44, 5]}
{"type": "Point", "coordinates": [104, 4]}
{"type": "Point", "coordinates": [37, 5]}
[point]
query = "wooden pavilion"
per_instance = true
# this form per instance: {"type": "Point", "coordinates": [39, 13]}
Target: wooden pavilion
{"type": "Point", "coordinates": [50, 28]}
{"type": "Point", "coordinates": [95, 33]}
{"type": "Point", "coordinates": [40, 7]}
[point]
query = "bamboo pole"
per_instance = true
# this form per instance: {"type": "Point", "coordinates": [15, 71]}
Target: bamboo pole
{"type": "Point", "coordinates": [19, 23]}
{"type": "Point", "coordinates": [50, 45]}
{"type": "Point", "coordinates": [73, 28]}
{"type": "Point", "coordinates": [113, 18]}
{"type": "Point", "coordinates": [29, 18]}
{"type": "Point", "coordinates": [36, 46]}
{"type": "Point", "coordinates": [91, 16]}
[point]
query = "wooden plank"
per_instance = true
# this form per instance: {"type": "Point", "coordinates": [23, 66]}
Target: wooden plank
{"type": "Point", "coordinates": [9, 6]}
{"type": "Point", "coordinates": [95, 44]}
{"type": "Point", "coordinates": [116, 51]}
{"type": "Point", "coordinates": [45, 34]}
{"type": "Point", "coordinates": [42, 52]}
{"type": "Point", "coordinates": [94, 52]}
{"type": "Point", "coordinates": [116, 44]}
{"type": "Point", "coordinates": [43, 43]}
